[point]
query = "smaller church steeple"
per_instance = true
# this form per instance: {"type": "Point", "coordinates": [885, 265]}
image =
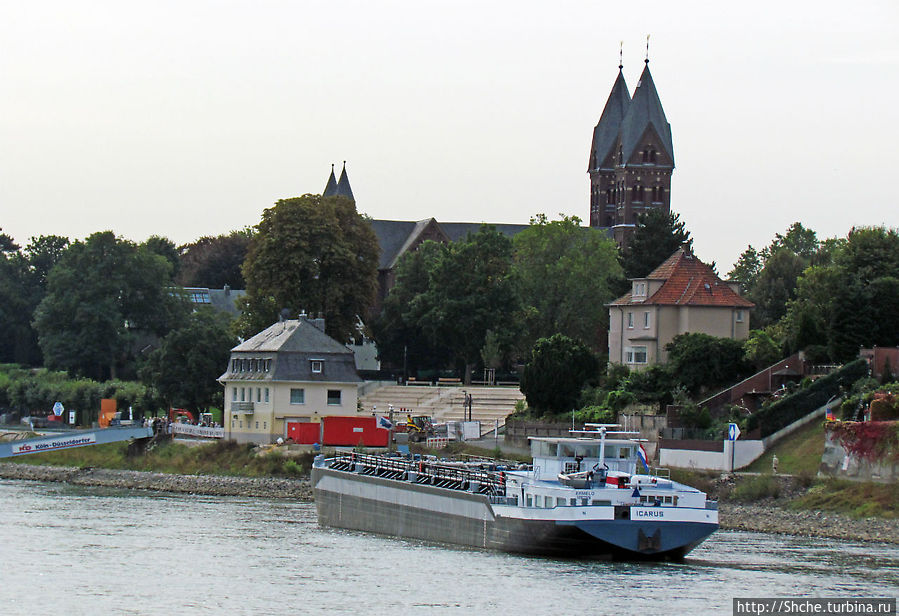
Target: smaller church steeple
{"type": "Point", "coordinates": [331, 186]}
{"type": "Point", "coordinates": [343, 185]}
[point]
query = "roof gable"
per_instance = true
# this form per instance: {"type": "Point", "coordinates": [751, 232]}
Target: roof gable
{"type": "Point", "coordinates": [292, 336]}
{"type": "Point", "coordinates": [688, 282]}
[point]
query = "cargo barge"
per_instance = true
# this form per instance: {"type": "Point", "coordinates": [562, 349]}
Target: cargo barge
{"type": "Point", "coordinates": [582, 497]}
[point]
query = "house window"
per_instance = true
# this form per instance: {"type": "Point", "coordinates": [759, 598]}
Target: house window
{"type": "Point", "coordinates": [266, 394]}
{"type": "Point", "coordinates": [298, 396]}
{"type": "Point", "coordinates": [639, 289]}
{"type": "Point", "coordinates": [268, 365]}
{"type": "Point", "coordinates": [316, 366]}
{"type": "Point", "coordinates": [739, 316]}
{"type": "Point", "coordinates": [635, 355]}
{"type": "Point", "coordinates": [243, 394]}
{"type": "Point", "coordinates": [258, 394]}
{"type": "Point", "coordinates": [234, 395]}
{"type": "Point", "coordinates": [646, 320]}
{"type": "Point", "coordinates": [333, 396]}
{"type": "Point", "coordinates": [630, 320]}
{"type": "Point", "coordinates": [233, 365]}
{"type": "Point", "coordinates": [257, 425]}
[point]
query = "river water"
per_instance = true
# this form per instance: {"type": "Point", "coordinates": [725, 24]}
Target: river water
{"type": "Point", "coordinates": [76, 550]}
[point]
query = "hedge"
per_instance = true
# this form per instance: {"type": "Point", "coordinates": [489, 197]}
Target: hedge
{"type": "Point", "coordinates": [790, 408]}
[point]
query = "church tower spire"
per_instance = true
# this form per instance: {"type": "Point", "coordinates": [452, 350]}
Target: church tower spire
{"type": "Point", "coordinates": [331, 186]}
{"type": "Point", "coordinates": [343, 185]}
{"type": "Point", "coordinates": [632, 159]}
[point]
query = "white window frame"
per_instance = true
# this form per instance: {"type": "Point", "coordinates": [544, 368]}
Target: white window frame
{"type": "Point", "coordinates": [738, 316]}
{"type": "Point", "coordinates": [339, 397]}
{"type": "Point", "coordinates": [630, 320]}
{"type": "Point", "coordinates": [639, 289]}
{"type": "Point", "coordinates": [317, 365]}
{"type": "Point", "coordinates": [631, 354]}
{"type": "Point", "coordinates": [302, 395]}
{"type": "Point", "coordinates": [647, 320]}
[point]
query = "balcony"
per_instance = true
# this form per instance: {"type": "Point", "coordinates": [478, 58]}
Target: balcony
{"type": "Point", "coordinates": [242, 408]}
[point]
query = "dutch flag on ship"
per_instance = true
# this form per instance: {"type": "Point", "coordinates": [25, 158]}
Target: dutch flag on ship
{"type": "Point", "coordinates": [644, 459]}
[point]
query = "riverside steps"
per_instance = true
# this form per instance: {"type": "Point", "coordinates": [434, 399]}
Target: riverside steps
{"type": "Point", "coordinates": [72, 439]}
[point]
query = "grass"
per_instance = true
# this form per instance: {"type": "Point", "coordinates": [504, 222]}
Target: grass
{"type": "Point", "coordinates": [218, 458]}
{"type": "Point", "coordinates": [852, 498]}
{"type": "Point", "coordinates": [797, 454]}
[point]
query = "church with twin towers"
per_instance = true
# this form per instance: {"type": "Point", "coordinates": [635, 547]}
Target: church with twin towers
{"type": "Point", "coordinates": [631, 158]}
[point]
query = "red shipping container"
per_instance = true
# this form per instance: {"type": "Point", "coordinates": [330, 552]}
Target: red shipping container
{"type": "Point", "coordinates": [304, 433]}
{"type": "Point", "coordinates": [351, 431]}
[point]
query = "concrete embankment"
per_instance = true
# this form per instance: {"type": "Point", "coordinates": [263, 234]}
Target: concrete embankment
{"type": "Point", "coordinates": [298, 489]}
{"type": "Point", "coordinates": [770, 517]}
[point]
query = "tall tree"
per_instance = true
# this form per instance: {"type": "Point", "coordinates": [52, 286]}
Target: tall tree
{"type": "Point", "coordinates": [747, 268]}
{"type": "Point", "coordinates": [470, 292]}
{"type": "Point", "coordinates": [189, 359]}
{"type": "Point", "coordinates": [214, 262]}
{"type": "Point", "coordinates": [775, 286]}
{"type": "Point", "coordinates": [565, 275]}
{"type": "Point", "coordinates": [398, 330]}
{"type": "Point", "coordinates": [655, 239]}
{"type": "Point", "coordinates": [104, 296]}
{"type": "Point", "coordinates": [556, 371]}
{"type": "Point", "coordinates": [165, 248]}
{"type": "Point", "coordinates": [311, 253]}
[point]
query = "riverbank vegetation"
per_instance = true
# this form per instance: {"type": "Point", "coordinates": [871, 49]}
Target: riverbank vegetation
{"type": "Point", "coordinates": [217, 458]}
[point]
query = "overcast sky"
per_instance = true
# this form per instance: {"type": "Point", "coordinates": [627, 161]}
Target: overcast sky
{"type": "Point", "coordinates": [189, 118]}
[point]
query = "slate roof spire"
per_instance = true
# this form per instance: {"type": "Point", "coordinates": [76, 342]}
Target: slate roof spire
{"type": "Point", "coordinates": [331, 186]}
{"type": "Point", "coordinates": [343, 185]}
{"type": "Point", "coordinates": [606, 131]}
{"type": "Point", "coordinates": [645, 111]}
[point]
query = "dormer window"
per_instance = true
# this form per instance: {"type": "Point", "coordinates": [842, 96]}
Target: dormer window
{"type": "Point", "coordinates": [317, 365]}
{"type": "Point", "coordinates": [639, 289]}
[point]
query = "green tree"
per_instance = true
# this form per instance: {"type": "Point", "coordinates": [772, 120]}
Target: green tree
{"type": "Point", "coordinates": [398, 330]}
{"type": "Point", "coordinates": [105, 297]}
{"type": "Point", "coordinates": [761, 350]}
{"type": "Point", "coordinates": [556, 371]}
{"type": "Point", "coordinates": [701, 362]}
{"type": "Point", "coordinates": [166, 249]}
{"type": "Point", "coordinates": [800, 241]}
{"type": "Point", "coordinates": [747, 268]}
{"type": "Point", "coordinates": [23, 283]}
{"type": "Point", "coordinates": [565, 274]}
{"type": "Point", "coordinates": [776, 286]}
{"type": "Point", "coordinates": [316, 254]}
{"type": "Point", "coordinates": [214, 262]}
{"type": "Point", "coordinates": [189, 359]}
{"type": "Point", "coordinates": [470, 292]}
{"type": "Point", "coordinates": [655, 238]}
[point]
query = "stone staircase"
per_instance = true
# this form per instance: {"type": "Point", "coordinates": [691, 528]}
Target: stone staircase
{"type": "Point", "coordinates": [444, 402]}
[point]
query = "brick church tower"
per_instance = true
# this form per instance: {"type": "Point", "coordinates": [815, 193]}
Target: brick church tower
{"type": "Point", "coordinates": [631, 158]}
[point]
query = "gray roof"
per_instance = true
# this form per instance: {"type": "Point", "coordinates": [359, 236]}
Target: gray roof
{"type": "Point", "coordinates": [331, 186]}
{"type": "Point", "coordinates": [343, 185]}
{"type": "Point", "coordinates": [220, 299]}
{"type": "Point", "coordinates": [606, 131]}
{"type": "Point", "coordinates": [396, 236]}
{"type": "Point", "coordinates": [644, 111]}
{"type": "Point", "coordinates": [293, 345]}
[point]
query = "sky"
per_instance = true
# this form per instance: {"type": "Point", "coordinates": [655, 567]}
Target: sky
{"type": "Point", "coordinates": [189, 118]}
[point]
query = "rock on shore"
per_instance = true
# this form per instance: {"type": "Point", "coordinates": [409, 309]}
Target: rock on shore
{"type": "Point", "coordinates": [776, 519]}
{"type": "Point", "coordinates": [268, 487]}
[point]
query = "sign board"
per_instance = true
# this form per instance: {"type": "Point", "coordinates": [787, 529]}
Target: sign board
{"type": "Point", "coordinates": [733, 432]}
{"type": "Point", "coordinates": [58, 408]}
{"type": "Point", "coordinates": [72, 417]}
{"type": "Point", "coordinates": [51, 444]}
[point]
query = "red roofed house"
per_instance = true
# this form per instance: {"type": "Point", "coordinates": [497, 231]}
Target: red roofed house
{"type": "Point", "coordinates": [682, 295]}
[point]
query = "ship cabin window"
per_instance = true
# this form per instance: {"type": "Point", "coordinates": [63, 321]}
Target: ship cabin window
{"type": "Point", "coordinates": [585, 502]}
{"type": "Point", "coordinates": [571, 467]}
{"type": "Point", "coordinates": [573, 502]}
{"type": "Point", "coordinates": [530, 501]}
{"type": "Point", "coordinates": [544, 449]}
{"type": "Point", "coordinates": [560, 502]}
{"type": "Point", "coordinates": [624, 453]}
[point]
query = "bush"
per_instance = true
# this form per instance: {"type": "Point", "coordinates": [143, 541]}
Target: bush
{"type": "Point", "coordinates": [783, 412]}
{"type": "Point", "coordinates": [756, 488]}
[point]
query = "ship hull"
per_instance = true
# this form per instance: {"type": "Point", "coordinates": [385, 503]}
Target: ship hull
{"type": "Point", "coordinates": [427, 513]}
